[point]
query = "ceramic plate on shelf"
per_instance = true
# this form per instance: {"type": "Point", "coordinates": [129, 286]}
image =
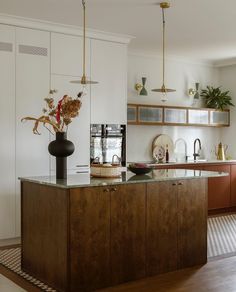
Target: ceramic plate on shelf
{"type": "Point", "coordinates": [159, 143]}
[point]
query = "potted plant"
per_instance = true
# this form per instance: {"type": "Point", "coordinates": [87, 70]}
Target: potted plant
{"type": "Point", "coordinates": [216, 98]}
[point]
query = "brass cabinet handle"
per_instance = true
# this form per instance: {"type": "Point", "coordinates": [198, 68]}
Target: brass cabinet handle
{"type": "Point", "coordinates": [180, 184]}
{"type": "Point", "coordinates": [106, 190]}
{"type": "Point", "coordinates": [114, 189]}
{"type": "Point", "coordinates": [174, 184]}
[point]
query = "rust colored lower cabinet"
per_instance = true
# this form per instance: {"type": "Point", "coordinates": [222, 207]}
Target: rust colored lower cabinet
{"type": "Point", "coordinates": [233, 185]}
{"type": "Point", "coordinates": [218, 189]}
{"type": "Point", "coordinates": [87, 238]}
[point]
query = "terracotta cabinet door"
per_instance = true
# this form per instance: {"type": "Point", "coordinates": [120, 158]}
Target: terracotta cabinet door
{"type": "Point", "coordinates": [161, 227]}
{"type": "Point", "coordinates": [218, 188]}
{"type": "Point", "coordinates": [233, 185]}
{"type": "Point", "coordinates": [192, 222]}
{"type": "Point", "coordinates": [128, 210]}
{"type": "Point", "coordinates": [89, 238]}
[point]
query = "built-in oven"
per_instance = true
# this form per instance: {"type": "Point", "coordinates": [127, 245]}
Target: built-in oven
{"type": "Point", "coordinates": [108, 143]}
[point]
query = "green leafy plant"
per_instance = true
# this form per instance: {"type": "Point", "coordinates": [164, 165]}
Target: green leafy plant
{"type": "Point", "coordinates": [215, 98]}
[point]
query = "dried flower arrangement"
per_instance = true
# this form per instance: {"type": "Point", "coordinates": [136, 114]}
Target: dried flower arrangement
{"type": "Point", "coordinates": [58, 115]}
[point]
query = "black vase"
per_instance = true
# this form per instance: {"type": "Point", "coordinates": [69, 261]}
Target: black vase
{"type": "Point", "coordinates": [61, 148]}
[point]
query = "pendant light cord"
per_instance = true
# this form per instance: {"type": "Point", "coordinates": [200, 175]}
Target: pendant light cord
{"type": "Point", "coordinates": [84, 38]}
{"type": "Point", "coordinates": [163, 42]}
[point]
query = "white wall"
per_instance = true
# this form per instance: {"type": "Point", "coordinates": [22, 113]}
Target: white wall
{"type": "Point", "coordinates": [180, 75]}
{"type": "Point", "coordinates": [228, 82]}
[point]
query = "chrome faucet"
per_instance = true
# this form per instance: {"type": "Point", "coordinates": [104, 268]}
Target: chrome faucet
{"type": "Point", "coordinates": [185, 147]}
{"type": "Point", "coordinates": [196, 154]}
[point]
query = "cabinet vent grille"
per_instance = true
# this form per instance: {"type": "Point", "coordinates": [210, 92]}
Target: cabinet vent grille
{"type": "Point", "coordinates": [7, 47]}
{"type": "Point", "coordinates": [32, 50]}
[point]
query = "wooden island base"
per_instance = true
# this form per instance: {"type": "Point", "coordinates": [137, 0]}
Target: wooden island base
{"type": "Point", "coordinates": [86, 238]}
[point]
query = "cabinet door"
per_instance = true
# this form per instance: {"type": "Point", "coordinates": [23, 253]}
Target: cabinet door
{"type": "Point", "coordinates": [150, 115]}
{"type": "Point", "coordinates": [192, 222]}
{"type": "Point", "coordinates": [198, 117]}
{"type": "Point", "coordinates": [79, 130]}
{"type": "Point", "coordinates": [175, 116]}
{"type": "Point", "coordinates": [219, 118]}
{"type": "Point", "coordinates": [67, 55]}
{"type": "Point", "coordinates": [132, 114]}
{"type": "Point", "coordinates": [7, 122]}
{"type": "Point", "coordinates": [128, 203]}
{"type": "Point", "coordinates": [218, 188]}
{"type": "Point", "coordinates": [89, 238]}
{"type": "Point", "coordinates": [233, 185]}
{"type": "Point", "coordinates": [32, 86]}
{"type": "Point", "coordinates": [161, 227]}
{"type": "Point", "coordinates": [109, 97]}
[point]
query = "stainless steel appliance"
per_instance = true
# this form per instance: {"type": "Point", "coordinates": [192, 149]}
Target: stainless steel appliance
{"type": "Point", "coordinates": [107, 141]}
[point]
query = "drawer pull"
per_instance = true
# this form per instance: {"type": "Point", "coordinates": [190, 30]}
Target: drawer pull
{"type": "Point", "coordinates": [180, 184]}
{"type": "Point", "coordinates": [106, 190]}
{"type": "Point", "coordinates": [174, 184]}
{"type": "Point", "coordinates": [114, 189]}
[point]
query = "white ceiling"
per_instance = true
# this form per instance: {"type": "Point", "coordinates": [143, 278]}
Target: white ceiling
{"type": "Point", "coordinates": [196, 29]}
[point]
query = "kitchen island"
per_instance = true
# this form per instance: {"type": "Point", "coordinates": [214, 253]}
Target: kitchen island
{"type": "Point", "coordinates": [84, 233]}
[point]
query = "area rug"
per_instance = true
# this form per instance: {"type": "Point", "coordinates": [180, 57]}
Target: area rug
{"type": "Point", "coordinates": [221, 239]}
{"type": "Point", "coordinates": [11, 259]}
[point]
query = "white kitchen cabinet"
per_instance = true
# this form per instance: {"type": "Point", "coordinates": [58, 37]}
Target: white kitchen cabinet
{"type": "Point", "coordinates": [67, 55]}
{"type": "Point", "coordinates": [7, 125]}
{"type": "Point", "coordinates": [79, 130]}
{"type": "Point", "coordinates": [32, 85]}
{"type": "Point", "coordinates": [109, 68]}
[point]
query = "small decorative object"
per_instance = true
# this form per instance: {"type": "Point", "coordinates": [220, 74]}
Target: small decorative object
{"type": "Point", "coordinates": [56, 118]}
{"type": "Point", "coordinates": [141, 87]}
{"type": "Point", "coordinates": [215, 98]}
{"type": "Point", "coordinates": [196, 95]}
{"type": "Point", "coordinates": [139, 168]}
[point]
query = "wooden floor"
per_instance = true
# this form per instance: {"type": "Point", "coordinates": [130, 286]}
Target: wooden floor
{"type": "Point", "coordinates": [217, 276]}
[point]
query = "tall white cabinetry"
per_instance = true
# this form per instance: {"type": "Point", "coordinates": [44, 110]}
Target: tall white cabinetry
{"type": "Point", "coordinates": [66, 66]}
{"type": "Point", "coordinates": [33, 61]}
{"type": "Point", "coordinates": [109, 68]}
{"type": "Point", "coordinates": [7, 126]}
{"type": "Point", "coordinates": [32, 85]}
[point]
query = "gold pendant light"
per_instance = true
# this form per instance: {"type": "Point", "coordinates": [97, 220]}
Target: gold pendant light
{"type": "Point", "coordinates": [84, 79]}
{"type": "Point", "coordinates": [163, 89]}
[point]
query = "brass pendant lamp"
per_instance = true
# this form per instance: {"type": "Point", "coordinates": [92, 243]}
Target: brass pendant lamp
{"type": "Point", "coordinates": [163, 89]}
{"type": "Point", "coordinates": [84, 81]}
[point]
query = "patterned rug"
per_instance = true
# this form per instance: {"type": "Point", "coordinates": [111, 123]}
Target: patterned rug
{"type": "Point", "coordinates": [221, 238]}
{"type": "Point", "coordinates": [221, 241]}
{"type": "Point", "coordinates": [11, 259]}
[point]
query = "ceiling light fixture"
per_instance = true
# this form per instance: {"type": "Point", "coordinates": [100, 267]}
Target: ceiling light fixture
{"type": "Point", "coordinates": [163, 89]}
{"type": "Point", "coordinates": [84, 81]}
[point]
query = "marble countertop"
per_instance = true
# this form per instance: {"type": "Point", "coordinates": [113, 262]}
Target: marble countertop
{"type": "Point", "coordinates": [156, 175]}
{"type": "Point", "coordinates": [200, 161]}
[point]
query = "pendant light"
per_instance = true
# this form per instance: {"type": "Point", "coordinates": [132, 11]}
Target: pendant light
{"type": "Point", "coordinates": [84, 81]}
{"type": "Point", "coordinates": [163, 89]}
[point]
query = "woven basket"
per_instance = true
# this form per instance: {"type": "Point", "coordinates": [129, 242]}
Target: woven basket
{"type": "Point", "coordinates": [106, 171]}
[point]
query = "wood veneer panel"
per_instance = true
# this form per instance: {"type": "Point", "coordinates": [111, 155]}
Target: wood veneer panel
{"type": "Point", "coordinates": [44, 233]}
{"type": "Point", "coordinates": [161, 227]}
{"type": "Point", "coordinates": [128, 210]}
{"type": "Point", "coordinates": [192, 222]}
{"type": "Point", "coordinates": [89, 238]}
{"type": "Point", "coordinates": [233, 185]}
{"type": "Point", "coordinates": [218, 188]}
